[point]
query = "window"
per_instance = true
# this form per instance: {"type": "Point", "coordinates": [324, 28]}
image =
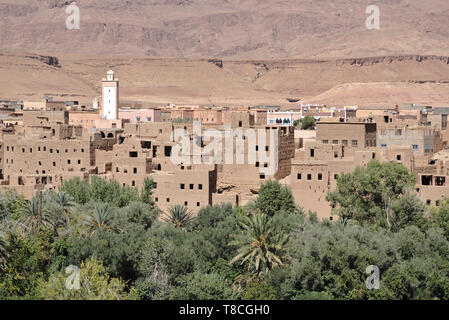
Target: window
{"type": "Point", "coordinates": [198, 204]}
{"type": "Point", "coordinates": [383, 145]}
{"type": "Point", "coordinates": [186, 203]}
{"type": "Point", "coordinates": [335, 176]}
{"type": "Point", "coordinates": [415, 147]}
{"type": "Point", "coordinates": [200, 187]}
{"type": "Point", "coordinates": [138, 119]}
{"type": "Point", "coordinates": [257, 164]}
{"type": "Point", "coordinates": [191, 186]}
{"type": "Point", "coordinates": [320, 176]}
{"type": "Point", "coordinates": [156, 199]}
{"type": "Point", "coordinates": [168, 199]}
{"type": "Point", "coordinates": [354, 143]}
{"type": "Point", "coordinates": [183, 186]}
{"type": "Point", "coordinates": [266, 148]}
{"type": "Point", "coordinates": [257, 148]}
{"type": "Point", "coordinates": [68, 161]}
{"type": "Point", "coordinates": [325, 141]}
{"type": "Point", "coordinates": [334, 141]}
{"type": "Point", "coordinates": [79, 161]}
{"type": "Point", "coordinates": [133, 154]}
{"type": "Point", "coordinates": [398, 157]}
{"type": "Point", "coordinates": [345, 142]}
{"type": "Point", "coordinates": [148, 119]}
{"type": "Point", "coordinates": [54, 164]}
{"type": "Point", "coordinates": [133, 183]}
{"type": "Point", "coordinates": [134, 170]}
{"type": "Point", "coordinates": [167, 151]}
{"type": "Point", "coordinates": [265, 165]}
{"type": "Point", "coordinates": [309, 176]}
{"type": "Point", "coordinates": [262, 176]}
{"type": "Point", "coordinates": [240, 124]}
{"type": "Point", "coordinates": [116, 169]}
{"type": "Point", "coordinates": [299, 176]}
{"type": "Point", "coordinates": [398, 132]}
{"type": "Point", "coordinates": [312, 153]}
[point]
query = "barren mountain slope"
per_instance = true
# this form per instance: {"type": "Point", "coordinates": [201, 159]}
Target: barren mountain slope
{"type": "Point", "coordinates": [247, 29]}
{"type": "Point", "coordinates": [367, 81]}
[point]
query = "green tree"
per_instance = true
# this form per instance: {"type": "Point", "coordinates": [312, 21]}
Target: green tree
{"type": "Point", "coordinates": [100, 218]}
{"type": "Point", "coordinates": [368, 194]}
{"type": "Point", "coordinates": [200, 286]}
{"type": "Point", "coordinates": [95, 284]}
{"type": "Point", "coordinates": [35, 216]}
{"type": "Point", "coordinates": [27, 261]}
{"type": "Point", "coordinates": [179, 216]}
{"type": "Point", "coordinates": [441, 216]}
{"type": "Point", "coordinates": [308, 123]}
{"type": "Point", "coordinates": [259, 245]}
{"type": "Point", "coordinates": [3, 252]}
{"type": "Point", "coordinates": [146, 195]}
{"type": "Point", "coordinates": [258, 291]}
{"type": "Point", "coordinates": [274, 198]}
{"type": "Point", "coordinates": [78, 189]}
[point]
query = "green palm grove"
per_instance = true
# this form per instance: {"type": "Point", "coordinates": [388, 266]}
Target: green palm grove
{"type": "Point", "coordinates": [126, 248]}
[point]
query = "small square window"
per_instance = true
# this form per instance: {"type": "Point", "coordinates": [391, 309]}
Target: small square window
{"type": "Point", "coordinates": [309, 176]}
{"type": "Point", "coordinates": [398, 157]}
{"type": "Point", "coordinates": [299, 176]}
{"type": "Point", "coordinates": [320, 176]}
{"type": "Point", "coordinates": [183, 186]}
{"type": "Point", "coordinates": [191, 186]}
{"type": "Point", "coordinates": [200, 187]}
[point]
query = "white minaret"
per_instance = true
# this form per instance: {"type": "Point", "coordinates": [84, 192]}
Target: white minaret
{"type": "Point", "coordinates": [110, 103]}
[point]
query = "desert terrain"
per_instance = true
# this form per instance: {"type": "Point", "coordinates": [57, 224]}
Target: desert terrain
{"type": "Point", "coordinates": [230, 52]}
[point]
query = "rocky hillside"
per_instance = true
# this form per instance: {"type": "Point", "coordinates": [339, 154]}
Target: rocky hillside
{"type": "Point", "coordinates": [382, 81]}
{"type": "Point", "coordinates": [249, 29]}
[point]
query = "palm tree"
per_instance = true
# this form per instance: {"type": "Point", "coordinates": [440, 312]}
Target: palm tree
{"type": "Point", "coordinates": [100, 218]}
{"type": "Point", "coordinates": [179, 216]}
{"type": "Point", "coordinates": [259, 244]}
{"type": "Point", "coordinates": [34, 215]}
{"type": "Point", "coordinates": [65, 201]}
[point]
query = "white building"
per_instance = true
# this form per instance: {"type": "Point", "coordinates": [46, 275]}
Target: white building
{"type": "Point", "coordinates": [110, 97]}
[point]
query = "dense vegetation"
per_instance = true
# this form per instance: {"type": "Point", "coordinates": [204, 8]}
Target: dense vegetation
{"type": "Point", "coordinates": [268, 249]}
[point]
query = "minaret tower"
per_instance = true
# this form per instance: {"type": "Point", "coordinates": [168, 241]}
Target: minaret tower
{"type": "Point", "coordinates": [109, 107]}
